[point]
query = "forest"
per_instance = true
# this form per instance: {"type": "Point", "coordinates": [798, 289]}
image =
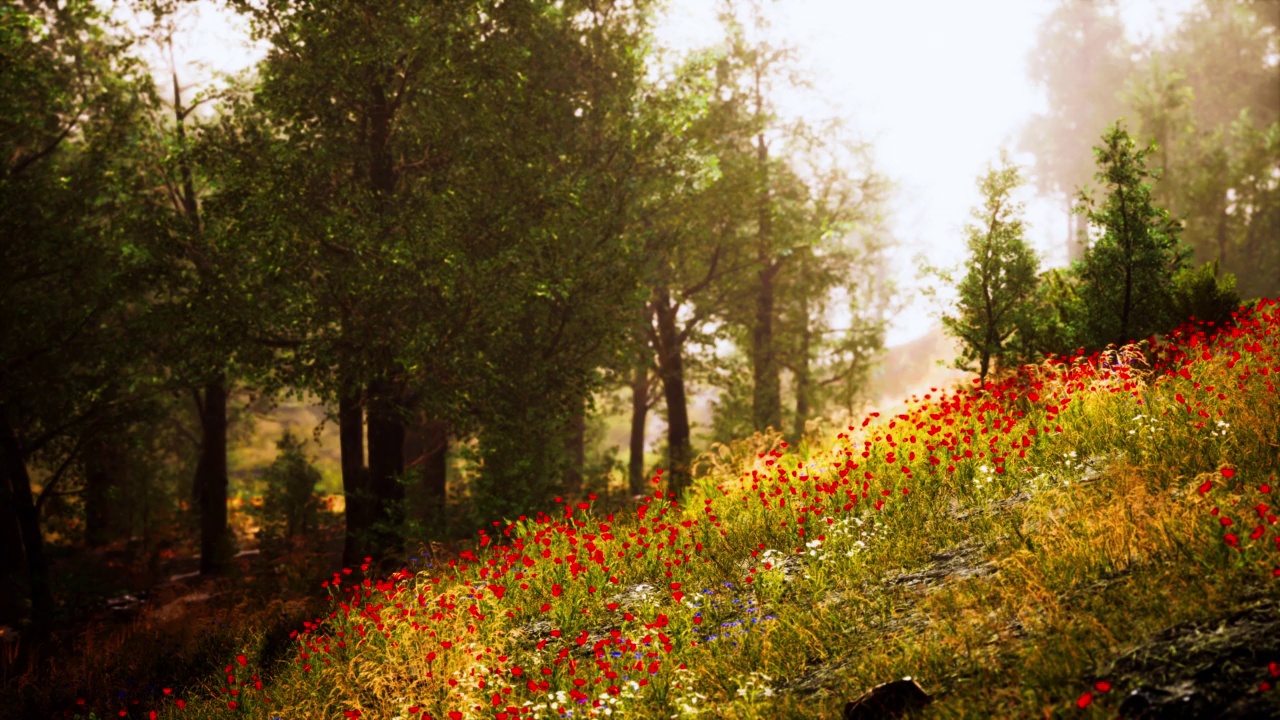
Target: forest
{"type": "Point", "coordinates": [303, 372]}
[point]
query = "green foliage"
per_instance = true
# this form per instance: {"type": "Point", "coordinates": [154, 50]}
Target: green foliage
{"type": "Point", "coordinates": [1052, 323]}
{"type": "Point", "coordinates": [1000, 278]}
{"type": "Point", "coordinates": [290, 505]}
{"type": "Point", "coordinates": [1207, 93]}
{"type": "Point", "coordinates": [1127, 273]}
{"type": "Point", "coordinates": [1204, 294]}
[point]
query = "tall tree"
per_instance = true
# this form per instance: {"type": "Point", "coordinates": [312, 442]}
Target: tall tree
{"type": "Point", "coordinates": [464, 192]}
{"type": "Point", "coordinates": [833, 296]}
{"type": "Point", "coordinates": [68, 272]}
{"type": "Point", "coordinates": [1209, 97]}
{"type": "Point", "coordinates": [1000, 276]}
{"type": "Point", "coordinates": [1082, 60]}
{"type": "Point", "coordinates": [693, 230]}
{"type": "Point", "coordinates": [1127, 273]}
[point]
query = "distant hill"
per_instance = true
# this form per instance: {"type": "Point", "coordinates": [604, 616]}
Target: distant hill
{"type": "Point", "coordinates": [913, 367]}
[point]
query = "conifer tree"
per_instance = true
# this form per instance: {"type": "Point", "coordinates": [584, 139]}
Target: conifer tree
{"type": "Point", "coordinates": [1000, 276]}
{"type": "Point", "coordinates": [1127, 274]}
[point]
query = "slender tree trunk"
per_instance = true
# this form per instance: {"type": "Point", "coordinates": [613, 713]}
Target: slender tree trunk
{"type": "Point", "coordinates": [1222, 236]}
{"type": "Point", "coordinates": [639, 415]}
{"type": "Point", "coordinates": [211, 470]}
{"type": "Point", "coordinates": [575, 449]}
{"type": "Point", "coordinates": [1073, 233]}
{"type": "Point", "coordinates": [671, 370]}
{"type": "Point", "coordinates": [12, 567]}
{"type": "Point", "coordinates": [386, 466]}
{"type": "Point", "coordinates": [427, 457]}
{"type": "Point", "coordinates": [766, 406]}
{"type": "Point", "coordinates": [354, 485]}
{"type": "Point", "coordinates": [803, 380]}
{"type": "Point", "coordinates": [435, 467]}
{"type": "Point", "coordinates": [13, 468]}
{"type": "Point", "coordinates": [211, 478]}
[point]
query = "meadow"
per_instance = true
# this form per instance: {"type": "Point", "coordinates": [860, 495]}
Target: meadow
{"type": "Point", "coordinates": [1092, 536]}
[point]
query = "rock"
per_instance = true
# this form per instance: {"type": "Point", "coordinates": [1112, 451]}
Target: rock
{"type": "Point", "coordinates": [995, 508]}
{"type": "Point", "coordinates": [1178, 702]}
{"type": "Point", "coordinates": [125, 607]}
{"type": "Point", "coordinates": [536, 630]}
{"type": "Point", "coordinates": [791, 565]}
{"type": "Point", "coordinates": [634, 596]}
{"type": "Point", "coordinates": [178, 608]}
{"type": "Point", "coordinates": [816, 677]}
{"type": "Point", "coordinates": [1203, 668]}
{"type": "Point", "coordinates": [887, 701]}
{"type": "Point", "coordinates": [958, 563]}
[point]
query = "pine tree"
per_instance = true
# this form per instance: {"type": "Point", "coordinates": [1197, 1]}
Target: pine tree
{"type": "Point", "coordinates": [1000, 276]}
{"type": "Point", "coordinates": [1128, 272]}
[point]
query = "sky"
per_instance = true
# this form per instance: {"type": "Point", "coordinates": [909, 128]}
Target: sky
{"type": "Point", "coordinates": [938, 87]}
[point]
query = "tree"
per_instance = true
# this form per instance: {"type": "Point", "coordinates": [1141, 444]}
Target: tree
{"type": "Point", "coordinates": [833, 298]}
{"type": "Point", "coordinates": [999, 279]}
{"type": "Point", "coordinates": [1081, 59]}
{"type": "Point", "coordinates": [1127, 273]}
{"type": "Point", "coordinates": [688, 220]}
{"type": "Point", "coordinates": [70, 279]}
{"type": "Point", "coordinates": [290, 506]}
{"type": "Point", "coordinates": [1205, 294]}
{"type": "Point", "coordinates": [1207, 93]}
{"type": "Point", "coordinates": [447, 189]}
{"type": "Point", "coordinates": [1210, 100]}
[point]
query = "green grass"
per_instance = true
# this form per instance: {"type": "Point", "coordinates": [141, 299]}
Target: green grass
{"type": "Point", "coordinates": [1086, 516]}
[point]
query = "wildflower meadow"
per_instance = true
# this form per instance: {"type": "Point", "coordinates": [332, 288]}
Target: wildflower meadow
{"type": "Point", "coordinates": [1001, 544]}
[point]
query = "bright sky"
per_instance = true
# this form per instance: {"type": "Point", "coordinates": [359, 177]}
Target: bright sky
{"type": "Point", "coordinates": [938, 86]}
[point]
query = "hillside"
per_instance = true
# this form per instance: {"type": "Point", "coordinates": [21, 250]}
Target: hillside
{"type": "Point", "coordinates": [1079, 541]}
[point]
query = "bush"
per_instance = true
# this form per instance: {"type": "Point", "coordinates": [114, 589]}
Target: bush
{"type": "Point", "coordinates": [1200, 293]}
{"type": "Point", "coordinates": [290, 505]}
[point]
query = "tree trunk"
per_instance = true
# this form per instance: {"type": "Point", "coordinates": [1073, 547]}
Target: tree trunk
{"type": "Point", "coordinates": [12, 568]}
{"type": "Point", "coordinates": [1222, 236]}
{"type": "Point", "coordinates": [211, 478]}
{"type": "Point", "coordinates": [1072, 235]}
{"type": "Point", "coordinates": [427, 457]}
{"type": "Point", "coordinates": [803, 379]}
{"type": "Point", "coordinates": [386, 466]}
{"type": "Point", "coordinates": [354, 478]}
{"type": "Point", "coordinates": [766, 406]}
{"type": "Point", "coordinates": [13, 474]}
{"type": "Point", "coordinates": [575, 450]}
{"type": "Point", "coordinates": [639, 415]}
{"type": "Point", "coordinates": [671, 370]}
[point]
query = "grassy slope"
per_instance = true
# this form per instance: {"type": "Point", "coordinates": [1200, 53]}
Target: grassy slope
{"type": "Point", "coordinates": [1001, 546]}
